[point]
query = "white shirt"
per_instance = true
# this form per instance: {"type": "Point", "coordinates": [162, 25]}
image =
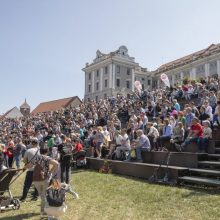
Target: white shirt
{"type": "Point", "coordinates": [125, 141]}
{"type": "Point", "coordinates": [153, 132]}
{"type": "Point", "coordinates": [118, 139]}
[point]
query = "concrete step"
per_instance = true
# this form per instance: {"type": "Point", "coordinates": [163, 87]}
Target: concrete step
{"type": "Point", "coordinates": [199, 180]}
{"type": "Point", "coordinates": [209, 163]}
{"type": "Point", "coordinates": [205, 172]}
{"type": "Point", "coordinates": [214, 156]}
{"type": "Point", "coordinates": [140, 170]}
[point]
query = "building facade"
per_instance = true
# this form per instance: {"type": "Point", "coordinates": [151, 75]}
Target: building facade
{"type": "Point", "coordinates": [201, 64]}
{"type": "Point", "coordinates": [113, 73]}
{"type": "Point", "coordinates": [116, 72]}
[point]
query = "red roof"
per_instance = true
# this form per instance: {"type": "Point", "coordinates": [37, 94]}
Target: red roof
{"type": "Point", "coordinates": [54, 105]}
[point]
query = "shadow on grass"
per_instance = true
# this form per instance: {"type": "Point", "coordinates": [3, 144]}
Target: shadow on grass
{"type": "Point", "coordinates": [199, 190]}
{"type": "Point", "coordinates": [195, 190]}
{"type": "Point", "coordinates": [20, 216]}
{"type": "Point", "coordinates": [78, 170]}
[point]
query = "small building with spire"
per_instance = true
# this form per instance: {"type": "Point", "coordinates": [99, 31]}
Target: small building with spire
{"type": "Point", "coordinates": [25, 109]}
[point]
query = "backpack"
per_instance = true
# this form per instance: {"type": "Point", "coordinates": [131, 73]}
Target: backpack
{"type": "Point", "coordinates": [66, 152]}
{"type": "Point", "coordinates": [38, 173]}
{"type": "Point", "coordinates": [55, 197]}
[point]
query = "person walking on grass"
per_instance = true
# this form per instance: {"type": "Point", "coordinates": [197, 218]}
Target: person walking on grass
{"type": "Point", "coordinates": [29, 155]}
{"type": "Point", "coordinates": [44, 167]}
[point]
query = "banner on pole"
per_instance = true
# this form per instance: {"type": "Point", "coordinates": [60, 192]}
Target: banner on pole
{"type": "Point", "coordinates": [165, 79]}
{"type": "Point", "coordinates": [138, 86]}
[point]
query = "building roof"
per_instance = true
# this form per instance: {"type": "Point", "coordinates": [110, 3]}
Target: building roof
{"type": "Point", "coordinates": [54, 105]}
{"type": "Point", "coordinates": [25, 105]}
{"type": "Point", "coordinates": [121, 52]}
{"type": "Point", "coordinates": [213, 48]}
{"type": "Point", "coordinates": [12, 113]}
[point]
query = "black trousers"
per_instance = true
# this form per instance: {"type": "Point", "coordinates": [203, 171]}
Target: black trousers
{"type": "Point", "coordinates": [161, 140]}
{"type": "Point", "coordinates": [27, 185]}
{"type": "Point", "coordinates": [65, 171]}
{"type": "Point", "coordinates": [10, 162]}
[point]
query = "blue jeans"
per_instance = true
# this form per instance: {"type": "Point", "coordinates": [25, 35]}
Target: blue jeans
{"type": "Point", "coordinates": [17, 161]}
{"type": "Point", "coordinates": [190, 140]}
{"type": "Point", "coordinates": [215, 119]}
{"type": "Point", "coordinates": [139, 150]}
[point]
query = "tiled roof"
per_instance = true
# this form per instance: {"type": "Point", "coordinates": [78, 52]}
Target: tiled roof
{"type": "Point", "coordinates": [54, 105]}
{"type": "Point", "coordinates": [189, 58]}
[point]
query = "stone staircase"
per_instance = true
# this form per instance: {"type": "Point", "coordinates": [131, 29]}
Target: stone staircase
{"type": "Point", "coordinates": [208, 171]}
{"type": "Point", "coordinates": [185, 168]}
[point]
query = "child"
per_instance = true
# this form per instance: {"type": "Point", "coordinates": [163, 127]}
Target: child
{"type": "Point", "coordinates": [153, 134]}
{"type": "Point", "coordinates": [207, 135]}
{"type": "Point", "coordinates": [55, 200]}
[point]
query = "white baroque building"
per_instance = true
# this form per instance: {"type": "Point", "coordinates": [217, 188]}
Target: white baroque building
{"type": "Point", "coordinates": [113, 73]}
{"type": "Point", "coordinates": [116, 72]}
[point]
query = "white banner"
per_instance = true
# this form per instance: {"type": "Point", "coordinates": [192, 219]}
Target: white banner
{"type": "Point", "coordinates": [165, 79]}
{"type": "Point", "coordinates": [138, 86]}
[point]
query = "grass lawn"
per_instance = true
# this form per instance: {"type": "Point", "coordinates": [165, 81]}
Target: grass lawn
{"type": "Point", "coordinates": [115, 197]}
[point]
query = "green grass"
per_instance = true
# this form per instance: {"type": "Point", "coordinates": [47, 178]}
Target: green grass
{"type": "Point", "coordinates": [115, 197]}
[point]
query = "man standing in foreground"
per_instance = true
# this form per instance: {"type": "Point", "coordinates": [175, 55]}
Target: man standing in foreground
{"type": "Point", "coordinates": [29, 156]}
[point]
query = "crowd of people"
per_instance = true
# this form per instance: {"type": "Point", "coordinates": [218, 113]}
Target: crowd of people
{"type": "Point", "coordinates": [125, 126]}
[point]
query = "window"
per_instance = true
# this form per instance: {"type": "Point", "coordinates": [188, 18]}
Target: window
{"type": "Point", "coordinates": [118, 82]}
{"type": "Point", "coordinates": [106, 83]}
{"type": "Point", "coordinates": [143, 79]}
{"type": "Point", "coordinates": [97, 86]}
{"type": "Point", "coordinates": [135, 78]}
{"type": "Point", "coordinates": [106, 70]}
{"type": "Point", "coordinates": [105, 96]}
{"type": "Point", "coordinates": [148, 82]}
{"type": "Point", "coordinates": [89, 88]}
{"type": "Point", "coordinates": [128, 71]}
{"type": "Point", "coordinates": [142, 86]}
{"type": "Point", "coordinates": [128, 84]}
{"type": "Point", "coordinates": [89, 76]}
{"type": "Point", "coordinates": [118, 69]}
{"type": "Point", "coordinates": [97, 73]}
{"type": "Point", "coordinates": [96, 98]}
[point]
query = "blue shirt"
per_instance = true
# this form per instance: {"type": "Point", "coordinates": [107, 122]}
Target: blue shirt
{"type": "Point", "coordinates": [144, 141]}
{"type": "Point", "coordinates": [188, 120]}
{"type": "Point", "coordinates": [167, 131]}
{"type": "Point", "coordinates": [177, 107]}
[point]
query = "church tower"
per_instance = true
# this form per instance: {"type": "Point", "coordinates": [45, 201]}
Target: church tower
{"type": "Point", "coordinates": [25, 109]}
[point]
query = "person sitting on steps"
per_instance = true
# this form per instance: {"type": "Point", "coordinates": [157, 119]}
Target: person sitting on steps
{"type": "Point", "coordinates": [196, 132]}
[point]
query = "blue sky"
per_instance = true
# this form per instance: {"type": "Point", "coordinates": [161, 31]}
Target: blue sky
{"type": "Point", "coordinates": [44, 44]}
